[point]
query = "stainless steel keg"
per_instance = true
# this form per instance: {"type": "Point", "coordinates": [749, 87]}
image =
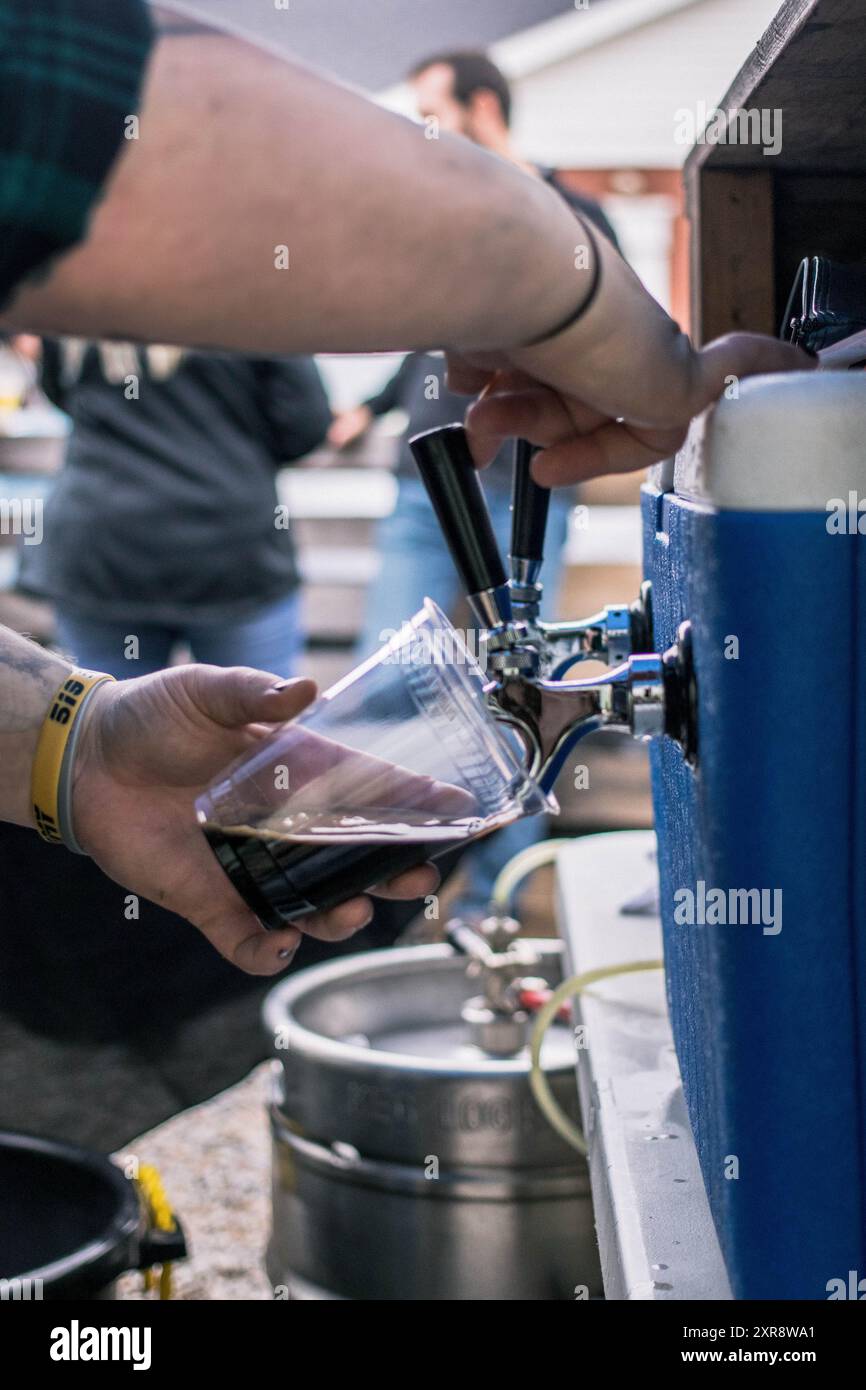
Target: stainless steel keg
{"type": "Point", "coordinates": [409, 1164]}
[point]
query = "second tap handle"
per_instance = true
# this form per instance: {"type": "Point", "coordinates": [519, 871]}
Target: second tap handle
{"type": "Point", "coordinates": [454, 488]}
{"type": "Point", "coordinates": [529, 506]}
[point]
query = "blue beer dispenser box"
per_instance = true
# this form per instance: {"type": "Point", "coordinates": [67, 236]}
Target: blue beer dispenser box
{"type": "Point", "coordinates": [756, 535]}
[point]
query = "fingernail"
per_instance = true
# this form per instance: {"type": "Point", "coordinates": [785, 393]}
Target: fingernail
{"type": "Point", "coordinates": [281, 685]}
{"type": "Point", "coordinates": [287, 952]}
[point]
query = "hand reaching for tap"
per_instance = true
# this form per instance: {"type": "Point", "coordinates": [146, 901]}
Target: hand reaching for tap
{"type": "Point", "coordinates": [615, 390]}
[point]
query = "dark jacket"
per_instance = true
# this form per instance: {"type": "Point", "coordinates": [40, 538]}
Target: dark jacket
{"type": "Point", "coordinates": [418, 386]}
{"type": "Point", "coordinates": [166, 508]}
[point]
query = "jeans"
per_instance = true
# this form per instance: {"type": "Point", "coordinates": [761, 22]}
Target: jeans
{"type": "Point", "coordinates": [415, 563]}
{"type": "Point", "coordinates": [270, 640]}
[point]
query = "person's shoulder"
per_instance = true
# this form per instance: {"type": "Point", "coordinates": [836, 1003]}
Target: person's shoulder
{"type": "Point", "coordinates": [72, 111]}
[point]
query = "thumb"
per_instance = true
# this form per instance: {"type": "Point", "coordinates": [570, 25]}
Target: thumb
{"type": "Point", "coordinates": [743, 355]}
{"type": "Point", "coordinates": [241, 939]}
{"type": "Point", "coordinates": [241, 695]}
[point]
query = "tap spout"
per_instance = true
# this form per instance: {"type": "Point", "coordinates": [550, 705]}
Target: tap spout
{"type": "Point", "coordinates": [552, 716]}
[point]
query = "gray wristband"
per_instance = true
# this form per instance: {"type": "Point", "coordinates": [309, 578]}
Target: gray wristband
{"type": "Point", "coordinates": [64, 782]}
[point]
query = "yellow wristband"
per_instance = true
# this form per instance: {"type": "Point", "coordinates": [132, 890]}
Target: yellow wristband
{"type": "Point", "coordinates": [52, 747]}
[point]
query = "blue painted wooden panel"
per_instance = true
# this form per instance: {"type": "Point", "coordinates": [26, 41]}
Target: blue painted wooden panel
{"type": "Point", "coordinates": [770, 1028]}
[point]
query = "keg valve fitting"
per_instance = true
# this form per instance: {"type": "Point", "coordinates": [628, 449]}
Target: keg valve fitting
{"type": "Point", "coordinates": [502, 963]}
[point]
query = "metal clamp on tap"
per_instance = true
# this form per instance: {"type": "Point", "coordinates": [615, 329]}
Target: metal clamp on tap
{"type": "Point", "coordinates": [645, 693]}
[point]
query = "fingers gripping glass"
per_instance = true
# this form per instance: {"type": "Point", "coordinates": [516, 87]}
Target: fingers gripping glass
{"type": "Point", "coordinates": [395, 764]}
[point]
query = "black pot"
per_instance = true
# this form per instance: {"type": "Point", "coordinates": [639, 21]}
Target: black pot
{"type": "Point", "coordinates": [70, 1222]}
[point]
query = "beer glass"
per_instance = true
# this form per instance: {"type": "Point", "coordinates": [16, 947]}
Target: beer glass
{"type": "Point", "coordinates": [398, 762]}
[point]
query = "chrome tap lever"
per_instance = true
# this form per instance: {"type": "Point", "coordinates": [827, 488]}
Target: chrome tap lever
{"type": "Point", "coordinates": [454, 488]}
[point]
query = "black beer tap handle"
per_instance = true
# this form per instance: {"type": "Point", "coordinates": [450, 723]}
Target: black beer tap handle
{"type": "Point", "coordinates": [529, 506]}
{"type": "Point", "coordinates": [454, 488]}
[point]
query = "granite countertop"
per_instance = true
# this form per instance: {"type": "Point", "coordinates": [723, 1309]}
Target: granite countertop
{"type": "Point", "coordinates": [215, 1164]}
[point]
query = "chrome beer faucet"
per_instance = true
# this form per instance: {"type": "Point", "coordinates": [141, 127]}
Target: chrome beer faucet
{"type": "Point", "coordinates": [644, 693]}
{"type": "Point", "coordinates": [610, 636]}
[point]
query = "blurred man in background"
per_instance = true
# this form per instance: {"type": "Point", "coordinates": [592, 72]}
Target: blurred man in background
{"type": "Point", "coordinates": [164, 530]}
{"type": "Point", "coordinates": [464, 94]}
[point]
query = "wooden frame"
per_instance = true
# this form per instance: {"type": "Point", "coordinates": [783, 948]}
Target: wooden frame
{"type": "Point", "coordinates": [754, 216]}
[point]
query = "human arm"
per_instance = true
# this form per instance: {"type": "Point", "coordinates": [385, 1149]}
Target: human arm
{"type": "Point", "coordinates": [391, 241]}
{"type": "Point", "coordinates": [614, 390]}
{"type": "Point", "coordinates": [350, 425]}
{"type": "Point", "coordinates": [393, 394]}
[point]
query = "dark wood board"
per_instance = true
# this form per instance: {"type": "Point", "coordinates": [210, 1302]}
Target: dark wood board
{"type": "Point", "coordinates": [732, 254]}
{"type": "Point", "coordinates": [809, 65]}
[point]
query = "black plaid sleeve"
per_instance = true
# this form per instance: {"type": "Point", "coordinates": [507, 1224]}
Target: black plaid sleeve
{"type": "Point", "coordinates": [70, 74]}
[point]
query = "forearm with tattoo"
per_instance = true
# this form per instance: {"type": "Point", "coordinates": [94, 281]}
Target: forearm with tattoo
{"type": "Point", "coordinates": [29, 676]}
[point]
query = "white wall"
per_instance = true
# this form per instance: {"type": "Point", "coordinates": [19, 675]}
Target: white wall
{"type": "Point", "coordinates": [645, 228]}
{"type": "Point", "coordinates": [613, 105]}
